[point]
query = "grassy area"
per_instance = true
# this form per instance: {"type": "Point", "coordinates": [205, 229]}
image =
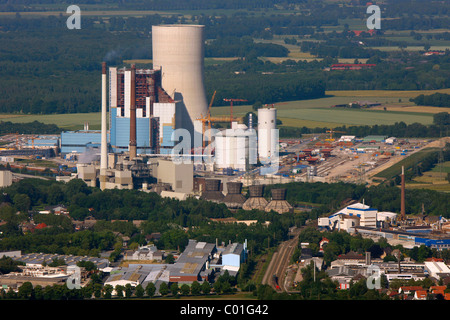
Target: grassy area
{"type": "Point", "coordinates": [408, 162]}
{"type": "Point", "coordinates": [355, 117]}
{"type": "Point", "coordinates": [73, 121]}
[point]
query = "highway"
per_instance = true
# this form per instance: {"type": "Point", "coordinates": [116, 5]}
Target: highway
{"type": "Point", "coordinates": [280, 261]}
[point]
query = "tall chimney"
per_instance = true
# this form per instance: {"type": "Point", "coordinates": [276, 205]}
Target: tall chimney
{"type": "Point", "coordinates": [104, 142]}
{"type": "Point", "coordinates": [402, 208]}
{"type": "Point", "coordinates": [133, 144]}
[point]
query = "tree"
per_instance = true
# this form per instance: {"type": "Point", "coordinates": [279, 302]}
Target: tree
{"type": "Point", "coordinates": [119, 290]}
{"type": "Point", "coordinates": [206, 287]}
{"type": "Point", "coordinates": [195, 288]}
{"type": "Point", "coordinates": [150, 289]}
{"type": "Point", "coordinates": [441, 118]}
{"type": "Point", "coordinates": [26, 290]}
{"type": "Point", "coordinates": [22, 202]}
{"type": "Point", "coordinates": [139, 291]}
{"type": "Point", "coordinates": [128, 290]}
{"type": "Point", "coordinates": [174, 288]}
{"type": "Point", "coordinates": [163, 289]}
{"type": "Point", "coordinates": [185, 289]}
{"type": "Point", "coordinates": [107, 291]}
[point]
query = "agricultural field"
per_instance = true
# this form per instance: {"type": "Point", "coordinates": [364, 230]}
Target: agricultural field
{"type": "Point", "coordinates": [408, 162]}
{"type": "Point", "coordinates": [73, 121]}
{"type": "Point", "coordinates": [318, 112]}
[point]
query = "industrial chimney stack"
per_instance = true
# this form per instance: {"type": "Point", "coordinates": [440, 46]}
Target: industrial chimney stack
{"type": "Point", "coordinates": [104, 141]}
{"type": "Point", "coordinates": [133, 141]}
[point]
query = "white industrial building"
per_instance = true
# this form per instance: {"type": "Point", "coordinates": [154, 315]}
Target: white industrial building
{"type": "Point", "coordinates": [357, 214]}
{"type": "Point", "coordinates": [233, 256]}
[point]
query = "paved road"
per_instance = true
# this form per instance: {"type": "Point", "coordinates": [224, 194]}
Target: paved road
{"type": "Point", "coordinates": [280, 261]}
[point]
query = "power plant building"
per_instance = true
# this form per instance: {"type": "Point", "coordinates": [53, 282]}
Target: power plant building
{"type": "Point", "coordinates": [150, 97]}
{"type": "Point", "coordinates": [147, 106]}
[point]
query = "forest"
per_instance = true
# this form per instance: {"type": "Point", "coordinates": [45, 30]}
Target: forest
{"type": "Point", "coordinates": [436, 100]}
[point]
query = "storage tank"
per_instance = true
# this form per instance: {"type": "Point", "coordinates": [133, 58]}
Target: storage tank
{"type": "Point", "coordinates": [267, 135]}
{"type": "Point", "coordinates": [178, 50]}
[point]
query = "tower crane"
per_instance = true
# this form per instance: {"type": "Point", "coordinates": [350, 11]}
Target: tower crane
{"type": "Point", "coordinates": [231, 100]}
{"type": "Point", "coordinates": [331, 131]}
{"type": "Point", "coordinates": [208, 119]}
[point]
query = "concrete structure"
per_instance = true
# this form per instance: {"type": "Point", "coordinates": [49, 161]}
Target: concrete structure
{"type": "Point", "coordinates": [5, 178]}
{"type": "Point", "coordinates": [179, 176]}
{"type": "Point", "coordinates": [178, 51]}
{"type": "Point", "coordinates": [267, 135]}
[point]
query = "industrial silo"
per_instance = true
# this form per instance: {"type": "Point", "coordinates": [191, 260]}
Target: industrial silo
{"type": "Point", "coordinates": [178, 50]}
{"type": "Point", "coordinates": [267, 134]}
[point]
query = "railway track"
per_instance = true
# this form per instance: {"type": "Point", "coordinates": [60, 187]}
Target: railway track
{"type": "Point", "coordinates": [280, 261]}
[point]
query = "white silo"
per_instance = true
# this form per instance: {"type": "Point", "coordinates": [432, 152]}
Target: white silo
{"type": "Point", "coordinates": [178, 50]}
{"type": "Point", "coordinates": [267, 134]}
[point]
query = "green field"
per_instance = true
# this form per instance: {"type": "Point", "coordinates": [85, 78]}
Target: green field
{"type": "Point", "coordinates": [318, 112]}
{"type": "Point", "coordinates": [73, 121]}
{"type": "Point", "coordinates": [408, 162]}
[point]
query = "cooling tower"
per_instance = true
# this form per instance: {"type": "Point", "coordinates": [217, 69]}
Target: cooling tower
{"type": "Point", "coordinates": [178, 50]}
{"type": "Point", "coordinates": [256, 199]}
{"type": "Point", "coordinates": [279, 203]}
{"type": "Point", "coordinates": [212, 191]}
{"type": "Point", "coordinates": [234, 198]}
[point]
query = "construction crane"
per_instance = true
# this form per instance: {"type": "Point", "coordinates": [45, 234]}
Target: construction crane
{"type": "Point", "coordinates": [231, 105]}
{"type": "Point", "coordinates": [208, 119]}
{"type": "Point", "coordinates": [331, 131]}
